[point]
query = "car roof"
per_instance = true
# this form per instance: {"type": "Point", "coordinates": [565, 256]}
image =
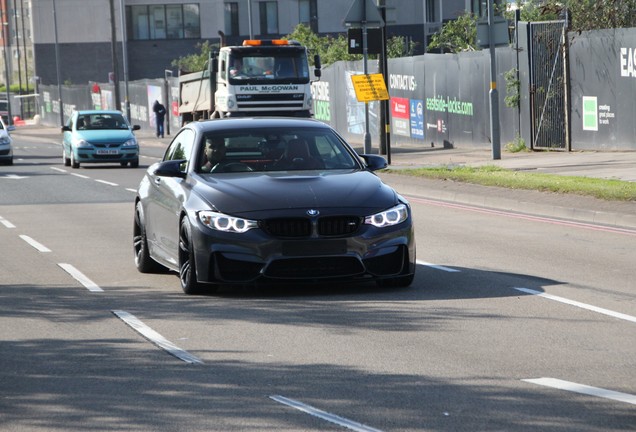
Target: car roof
{"type": "Point", "coordinates": [255, 122]}
{"type": "Point", "coordinates": [98, 112]}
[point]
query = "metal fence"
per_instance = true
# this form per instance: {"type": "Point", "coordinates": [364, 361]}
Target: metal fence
{"type": "Point", "coordinates": [547, 85]}
{"type": "Point", "coordinates": [441, 100]}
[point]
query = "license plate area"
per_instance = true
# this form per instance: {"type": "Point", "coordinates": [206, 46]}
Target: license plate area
{"type": "Point", "coordinates": [314, 248]}
{"type": "Point", "coordinates": [107, 151]}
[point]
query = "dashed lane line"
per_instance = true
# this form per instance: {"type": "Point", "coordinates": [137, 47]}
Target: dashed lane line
{"type": "Point", "coordinates": [583, 389]}
{"type": "Point", "coordinates": [6, 223]}
{"type": "Point", "coordinates": [438, 267]}
{"type": "Point", "coordinates": [37, 245]}
{"type": "Point", "coordinates": [332, 418]}
{"type": "Point", "coordinates": [579, 304]}
{"type": "Point", "coordinates": [155, 337]}
{"type": "Point", "coordinates": [80, 277]}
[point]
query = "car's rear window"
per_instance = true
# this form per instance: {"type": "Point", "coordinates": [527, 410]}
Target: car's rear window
{"type": "Point", "coordinates": [276, 150]}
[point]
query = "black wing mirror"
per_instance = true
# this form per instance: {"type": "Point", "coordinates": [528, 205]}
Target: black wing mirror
{"type": "Point", "coordinates": [171, 168]}
{"type": "Point", "coordinates": [374, 162]}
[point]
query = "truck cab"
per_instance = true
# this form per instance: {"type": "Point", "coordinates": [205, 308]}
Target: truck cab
{"type": "Point", "coordinates": [259, 78]}
{"type": "Point", "coordinates": [263, 78]}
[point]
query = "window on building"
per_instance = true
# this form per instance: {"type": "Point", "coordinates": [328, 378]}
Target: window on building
{"type": "Point", "coordinates": [231, 19]}
{"type": "Point", "coordinates": [308, 14]}
{"type": "Point", "coordinates": [430, 12]}
{"type": "Point", "coordinates": [174, 21]}
{"type": "Point", "coordinates": [268, 17]}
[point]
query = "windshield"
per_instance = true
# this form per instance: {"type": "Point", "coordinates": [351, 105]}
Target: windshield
{"type": "Point", "coordinates": [274, 149]}
{"type": "Point", "coordinates": [101, 121]}
{"type": "Point", "coordinates": [268, 66]}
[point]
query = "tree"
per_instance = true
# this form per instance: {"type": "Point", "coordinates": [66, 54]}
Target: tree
{"type": "Point", "coordinates": [457, 35]}
{"type": "Point", "coordinates": [334, 48]}
{"type": "Point", "coordinates": [195, 62]}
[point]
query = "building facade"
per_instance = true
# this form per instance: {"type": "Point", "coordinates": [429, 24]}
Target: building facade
{"type": "Point", "coordinates": [84, 37]}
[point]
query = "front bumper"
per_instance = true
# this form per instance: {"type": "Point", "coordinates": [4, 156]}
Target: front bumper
{"type": "Point", "coordinates": [372, 253]}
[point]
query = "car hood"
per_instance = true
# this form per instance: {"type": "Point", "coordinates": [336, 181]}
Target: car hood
{"type": "Point", "coordinates": [105, 135]}
{"type": "Point", "coordinates": [250, 193]}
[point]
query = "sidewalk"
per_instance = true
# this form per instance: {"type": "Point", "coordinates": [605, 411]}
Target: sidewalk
{"type": "Point", "coordinates": [608, 165]}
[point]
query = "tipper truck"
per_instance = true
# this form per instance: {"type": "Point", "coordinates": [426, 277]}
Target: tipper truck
{"type": "Point", "coordinates": [261, 77]}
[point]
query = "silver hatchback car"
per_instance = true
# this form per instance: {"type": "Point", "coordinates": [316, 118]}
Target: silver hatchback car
{"type": "Point", "coordinates": [6, 149]}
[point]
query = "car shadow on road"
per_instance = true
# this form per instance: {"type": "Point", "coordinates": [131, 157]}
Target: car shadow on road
{"type": "Point", "coordinates": [429, 284]}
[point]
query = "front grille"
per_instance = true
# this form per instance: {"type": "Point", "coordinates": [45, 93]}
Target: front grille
{"type": "Point", "coordinates": [328, 226]}
{"type": "Point", "coordinates": [293, 227]}
{"type": "Point", "coordinates": [106, 145]}
{"type": "Point", "coordinates": [109, 157]}
{"type": "Point", "coordinates": [318, 267]}
{"type": "Point", "coordinates": [338, 225]}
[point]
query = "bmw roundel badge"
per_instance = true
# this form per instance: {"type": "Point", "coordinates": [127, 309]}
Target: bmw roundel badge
{"type": "Point", "coordinates": [313, 212]}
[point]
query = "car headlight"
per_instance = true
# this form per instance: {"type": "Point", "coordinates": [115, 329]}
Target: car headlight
{"type": "Point", "coordinates": [130, 143]}
{"type": "Point", "coordinates": [225, 223]}
{"type": "Point", "coordinates": [5, 140]}
{"type": "Point", "coordinates": [81, 143]}
{"type": "Point", "coordinates": [392, 216]}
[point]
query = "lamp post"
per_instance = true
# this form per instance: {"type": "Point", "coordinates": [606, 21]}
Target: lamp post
{"type": "Point", "coordinates": [5, 25]}
{"type": "Point", "coordinates": [124, 54]}
{"type": "Point", "coordinates": [57, 64]}
{"type": "Point", "coordinates": [168, 74]}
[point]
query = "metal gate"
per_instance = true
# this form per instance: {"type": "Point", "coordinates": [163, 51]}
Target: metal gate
{"type": "Point", "coordinates": [547, 86]}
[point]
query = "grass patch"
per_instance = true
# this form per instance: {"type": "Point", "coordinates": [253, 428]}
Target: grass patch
{"type": "Point", "coordinates": [490, 175]}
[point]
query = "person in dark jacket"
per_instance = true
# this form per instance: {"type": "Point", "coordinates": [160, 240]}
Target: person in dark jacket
{"type": "Point", "coordinates": [160, 114]}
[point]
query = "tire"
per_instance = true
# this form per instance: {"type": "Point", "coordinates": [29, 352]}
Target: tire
{"type": "Point", "coordinates": [134, 163]}
{"type": "Point", "coordinates": [143, 261]}
{"type": "Point", "coordinates": [74, 163]}
{"type": "Point", "coordinates": [187, 267]}
{"type": "Point", "coordinates": [123, 164]}
{"type": "Point", "coordinates": [66, 160]}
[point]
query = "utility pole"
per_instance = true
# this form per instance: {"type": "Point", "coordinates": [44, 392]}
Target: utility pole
{"type": "Point", "coordinates": [124, 54]}
{"type": "Point", "coordinates": [494, 97]}
{"type": "Point", "coordinates": [57, 65]}
{"type": "Point", "coordinates": [6, 64]}
{"type": "Point", "coordinates": [113, 53]}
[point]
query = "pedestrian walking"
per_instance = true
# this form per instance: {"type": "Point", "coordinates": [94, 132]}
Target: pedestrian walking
{"type": "Point", "coordinates": [160, 114]}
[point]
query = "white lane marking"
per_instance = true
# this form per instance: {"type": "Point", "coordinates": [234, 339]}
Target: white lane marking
{"type": "Point", "coordinates": [579, 304]}
{"type": "Point", "coordinates": [554, 221]}
{"type": "Point", "coordinates": [81, 278]}
{"type": "Point", "coordinates": [155, 337]}
{"type": "Point", "coordinates": [438, 267]}
{"type": "Point", "coordinates": [58, 169]}
{"type": "Point", "coordinates": [80, 176]}
{"type": "Point", "coordinates": [131, 190]}
{"type": "Point", "coordinates": [324, 415]}
{"type": "Point", "coordinates": [584, 389]}
{"type": "Point", "coordinates": [39, 246]}
{"type": "Point", "coordinates": [106, 182]}
{"type": "Point", "coordinates": [6, 223]}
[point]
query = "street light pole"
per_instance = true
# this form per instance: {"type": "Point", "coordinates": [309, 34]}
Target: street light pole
{"type": "Point", "coordinates": [6, 65]}
{"type": "Point", "coordinates": [124, 54]}
{"type": "Point", "coordinates": [57, 65]}
{"type": "Point", "coordinates": [168, 74]}
{"type": "Point", "coordinates": [494, 97]}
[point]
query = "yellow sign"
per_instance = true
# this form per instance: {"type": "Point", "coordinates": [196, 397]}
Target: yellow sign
{"type": "Point", "coordinates": [369, 87]}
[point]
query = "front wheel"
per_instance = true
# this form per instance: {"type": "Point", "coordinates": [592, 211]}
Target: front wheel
{"type": "Point", "coordinates": [65, 159]}
{"type": "Point", "coordinates": [187, 267]}
{"type": "Point", "coordinates": [74, 163]}
{"type": "Point", "coordinates": [143, 261]}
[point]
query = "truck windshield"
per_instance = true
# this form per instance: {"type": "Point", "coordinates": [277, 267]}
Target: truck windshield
{"type": "Point", "coordinates": [268, 67]}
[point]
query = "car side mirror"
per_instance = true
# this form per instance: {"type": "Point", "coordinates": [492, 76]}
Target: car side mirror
{"type": "Point", "coordinates": [136, 127]}
{"type": "Point", "coordinates": [374, 162]}
{"type": "Point", "coordinates": [66, 128]}
{"type": "Point", "coordinates": [171, 168]}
